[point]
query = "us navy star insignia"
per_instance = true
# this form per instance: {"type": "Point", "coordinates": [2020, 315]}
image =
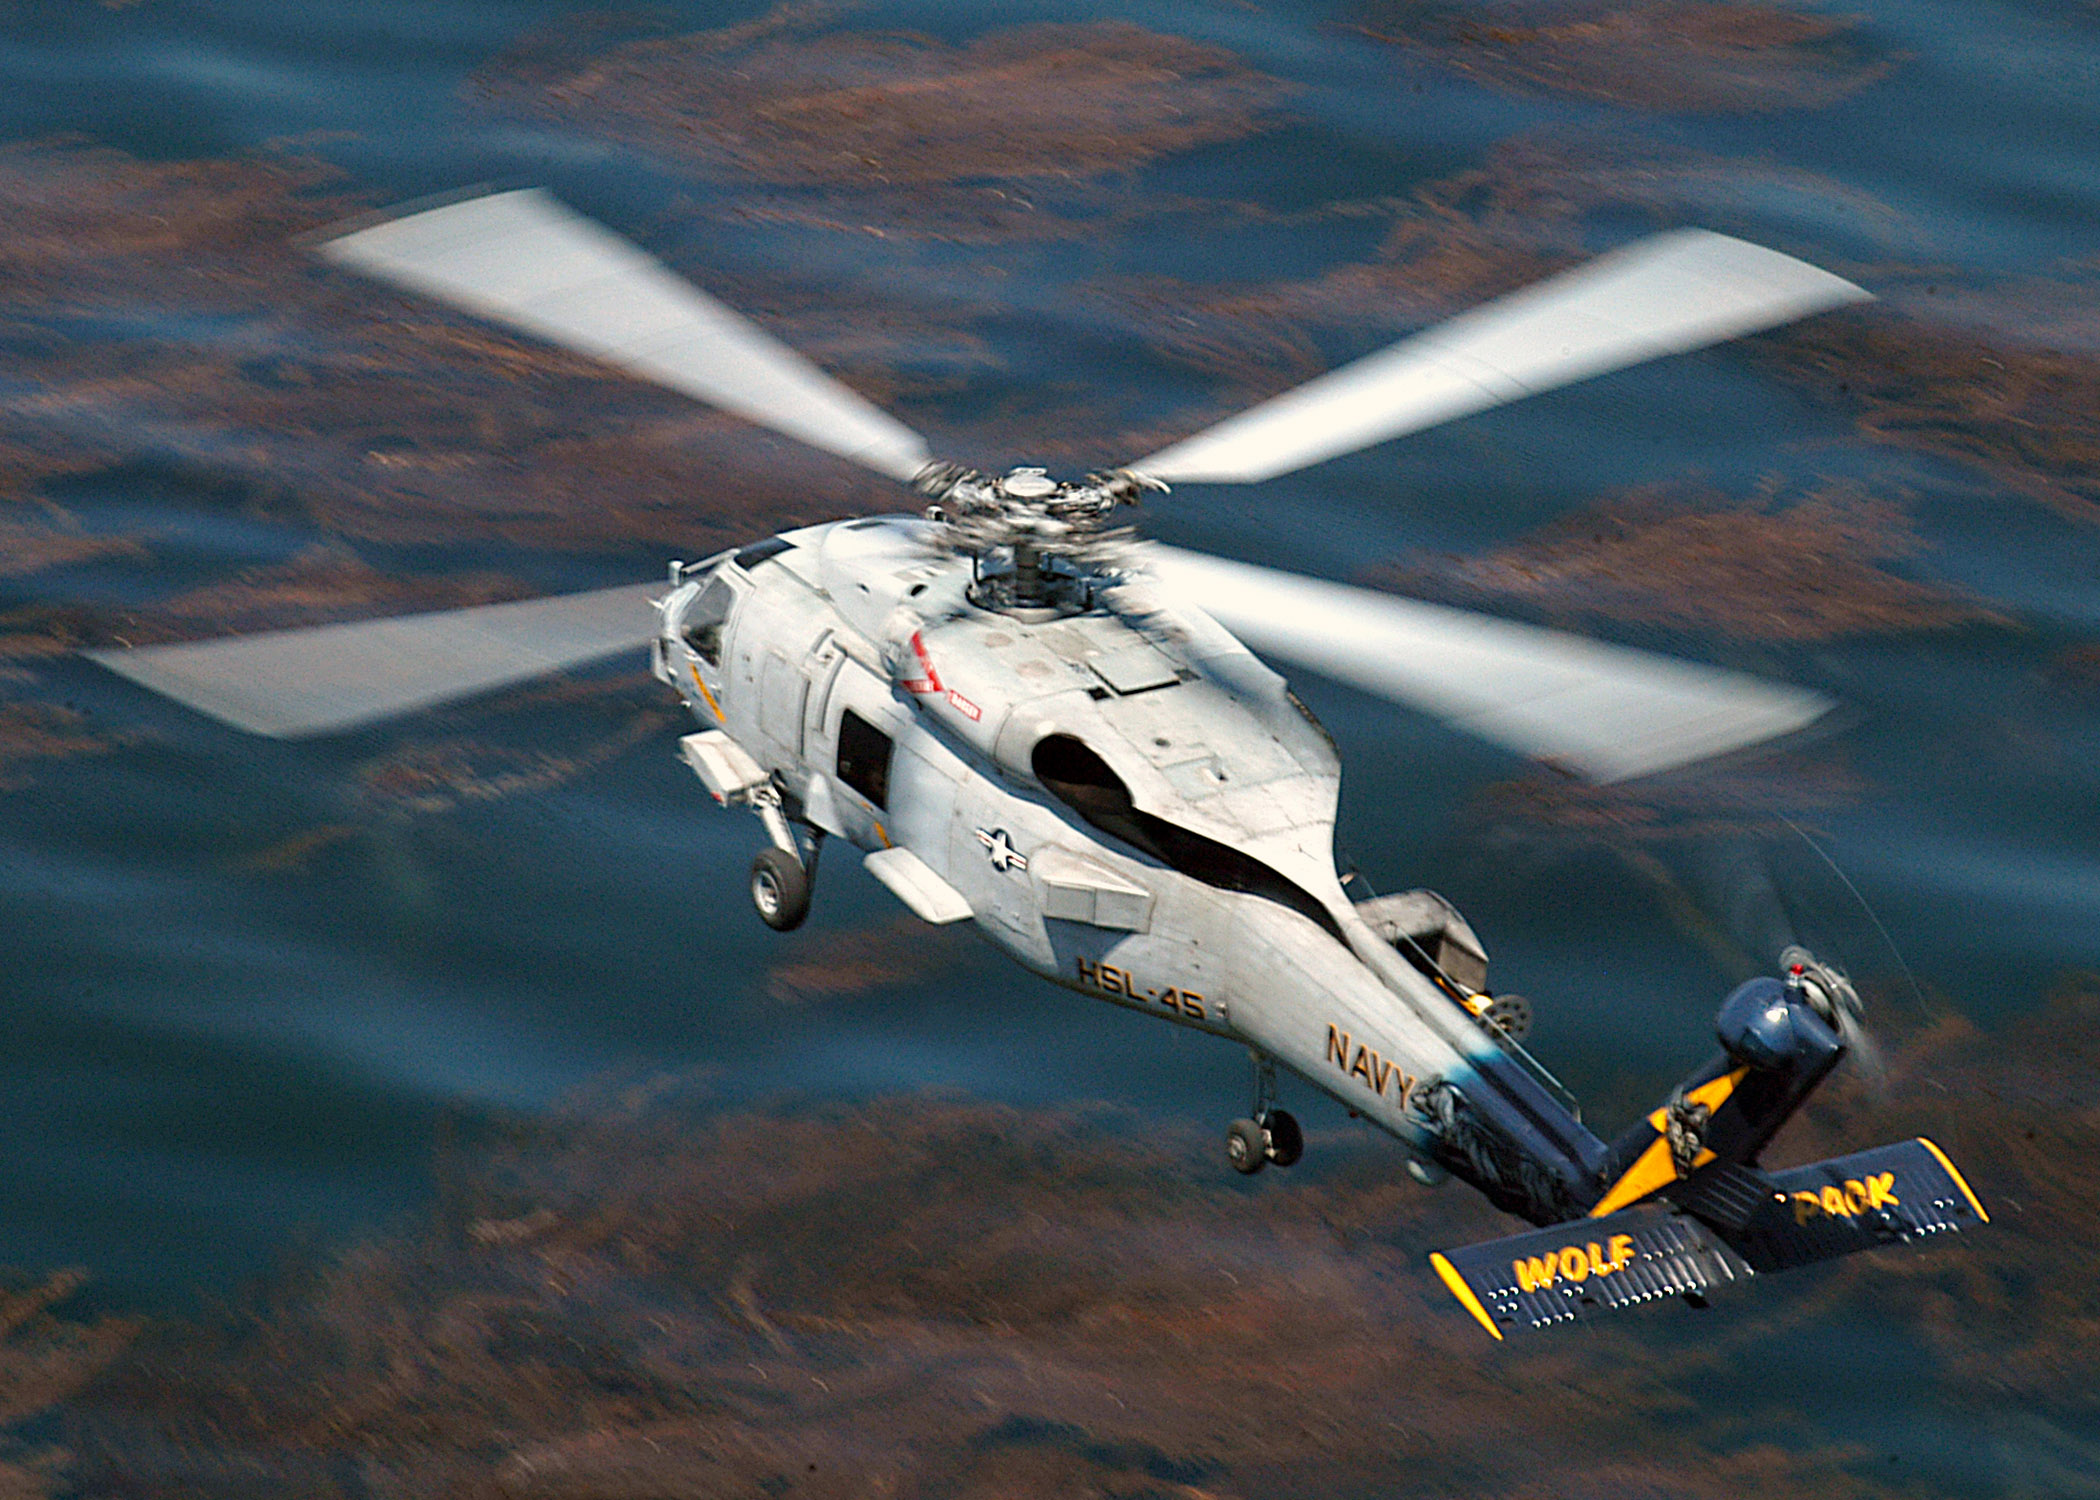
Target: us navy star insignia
{"type": "Point", "coordinates": [1004, 855]}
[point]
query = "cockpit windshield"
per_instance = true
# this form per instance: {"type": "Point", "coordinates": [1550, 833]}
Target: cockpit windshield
{"type": "Point", "coordinates": [1084, 782]}
{"type": "Point", "coordinates": [705, 617]}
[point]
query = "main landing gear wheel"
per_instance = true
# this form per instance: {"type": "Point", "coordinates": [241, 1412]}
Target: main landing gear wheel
{"type": "Point", "coordinates": [1286, 1140]}
{"type": "Point", "coordinates": [1246, 1147]}
{"type": "Point", "coordinates": [1251, 1145]}
{"type": "Point", "coordinates": [1271, 1135]}
{"type": "Point", "coordinates": [779, 889]}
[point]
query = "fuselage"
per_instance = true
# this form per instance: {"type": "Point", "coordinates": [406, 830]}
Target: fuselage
{"type": "Point", "coordinates": [1131, 804]}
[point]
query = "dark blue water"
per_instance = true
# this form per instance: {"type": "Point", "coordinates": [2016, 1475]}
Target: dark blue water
{"type": "Point", "coordinates": [213, 1049]}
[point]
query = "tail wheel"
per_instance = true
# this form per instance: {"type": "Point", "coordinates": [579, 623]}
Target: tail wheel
{"type": "Point", "coordinates": [1286, 1140]}
{"type": "Point", "coordinates": [779, 889]}
{"type": "Point", "coordinates": [1246, 1147]}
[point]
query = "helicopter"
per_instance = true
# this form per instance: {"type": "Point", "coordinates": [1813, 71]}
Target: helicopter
{"type": "Point", "coordinates": [1026, 717]}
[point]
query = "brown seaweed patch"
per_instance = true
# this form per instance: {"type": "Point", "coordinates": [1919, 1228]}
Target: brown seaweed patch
{"type": "Point", "coordinates": [474, 755]}
{"type": "Point", "coordinates": [31, 732]}
{"type": "Point", "coordinates": [2054, 310]}
{"type": "Point", "coordinates": [30, 547]}
{"type": "Point", "coordinates": [835, 965]}
{"type": "Point", "coordinates": [436, 776]}
{"type": "Point", "coordinates": [1544, 818]}
{"type": "Point", "coordinates": [878, 109]}
{"type": "Point", "coordinates": [1537, 205]}
{"type": "Point", "coordinates": [322, 584]}
{"type": "Point", "coordinates": [1806, 569]}
{"type": "Point", "coordinates": [332, 405]}
{"type": "Point", "coordinates": [1549, 189]}
{"type": "Point", "coordinates": [2014, 1327]}
{"type": "Point", "coordinates": [1995, 398]}
{"type": "Point", "coordinates": [293, 853]}
{"type": "Point", "coordinates": [1729, 853]}
{"type": "Point", "coordinates": [33, 636]}
{"type": "Point", "coordinates": [44, 1359]}
{"type": "Point", "coordinates": [1703, 844]}
{"type": "Point", "coordinates": [89, 227]}
{"type": "Point", "coordinates": [1672, 56]}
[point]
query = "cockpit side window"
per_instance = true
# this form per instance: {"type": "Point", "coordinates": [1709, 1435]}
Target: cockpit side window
{"type": "Point", "coordinates": [705, 617]}
{"type": "Point", "coordinates": [1084, 782]}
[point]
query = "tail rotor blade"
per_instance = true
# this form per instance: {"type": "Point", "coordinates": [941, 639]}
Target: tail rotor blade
{"type": "Point", "coordinates": [1664, 295]}
{"type": "Point", "coordinates": [289, 684]}
{"type": "Point", "coordinates": [1608, 712]}
{"type": "Point", "coordinates": [522, 259]}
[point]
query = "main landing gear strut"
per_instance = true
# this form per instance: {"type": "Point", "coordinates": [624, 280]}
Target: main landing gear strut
{"type": "Point", "coordinates": [1271, 1134]}
{"type": "Point", "coordinates": [782, 875]}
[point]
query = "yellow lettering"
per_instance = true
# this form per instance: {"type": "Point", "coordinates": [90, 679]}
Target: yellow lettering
{"type": "Point", "coordinates": [1360, 1068]}
{"type": "Point", "coordinates": [1881, 1191]}
{"type": "Point", "coordinates": [1534, 1274]}
{"type": "Point", "coordinates": [1834, 1203]}
{"type": "Point", "coordinates": [1338, 1047]}
{"type": "Point", "coordinates": [1088, 973]}
{"type": "Point", "coordinates": [1807, 1206]}
{"type": "Point", "coordinates": [1192, 1005]}
{"type": "Point", "coordinates": [1385, 1073]}
{"type": "Point", "coordinates": [1573, 1263]}
{"type": "Point", "coordinates": [1855, 1197]}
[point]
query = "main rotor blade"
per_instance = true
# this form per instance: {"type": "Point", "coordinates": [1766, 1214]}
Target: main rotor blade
{"type": "Point", "coordinates": [1608, 712]}
{"type": "Point", "coordinates": [1660, 296]}
{"type": "Point", "coordinates": [523, 259]}
{"type": "Point", "coordinates": [292, 683]}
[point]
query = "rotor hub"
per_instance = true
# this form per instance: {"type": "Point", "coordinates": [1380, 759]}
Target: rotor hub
{"type": "Point", "coordinates": [1037, 542]}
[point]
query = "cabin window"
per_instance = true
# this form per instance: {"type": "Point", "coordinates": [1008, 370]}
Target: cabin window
{"type": "Point", "coordinates": [705, 618]}
{"type": "Point", "coordinates": [864, 758]}
{"type": "Point", "coordinates": [1084, 782]}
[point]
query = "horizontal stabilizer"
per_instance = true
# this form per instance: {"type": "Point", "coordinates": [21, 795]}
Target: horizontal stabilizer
{"type": "Point", "coordinates": [1890, 1195]}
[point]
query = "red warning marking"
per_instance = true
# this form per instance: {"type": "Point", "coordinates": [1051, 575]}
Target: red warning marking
{"type": "Point", "coordinates": [931, 682]}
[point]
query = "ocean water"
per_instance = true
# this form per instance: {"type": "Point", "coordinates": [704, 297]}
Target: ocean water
{"type": "Point", "coordinates": [247, 985]}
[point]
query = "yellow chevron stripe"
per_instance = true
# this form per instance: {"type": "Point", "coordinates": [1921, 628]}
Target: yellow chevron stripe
{"type": "Point", "coordinates": [712, 706]}
{"type": "Point", "coordinates": [1959, 1180]}
{"type": "Point", "coordinates": [1654, 1168]}
{"type": "Point", "coordinates": [1463, 1293]}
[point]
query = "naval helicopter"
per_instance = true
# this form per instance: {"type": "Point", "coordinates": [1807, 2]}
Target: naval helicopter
{"type": "Point", "coordinates": [1025, 717]}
